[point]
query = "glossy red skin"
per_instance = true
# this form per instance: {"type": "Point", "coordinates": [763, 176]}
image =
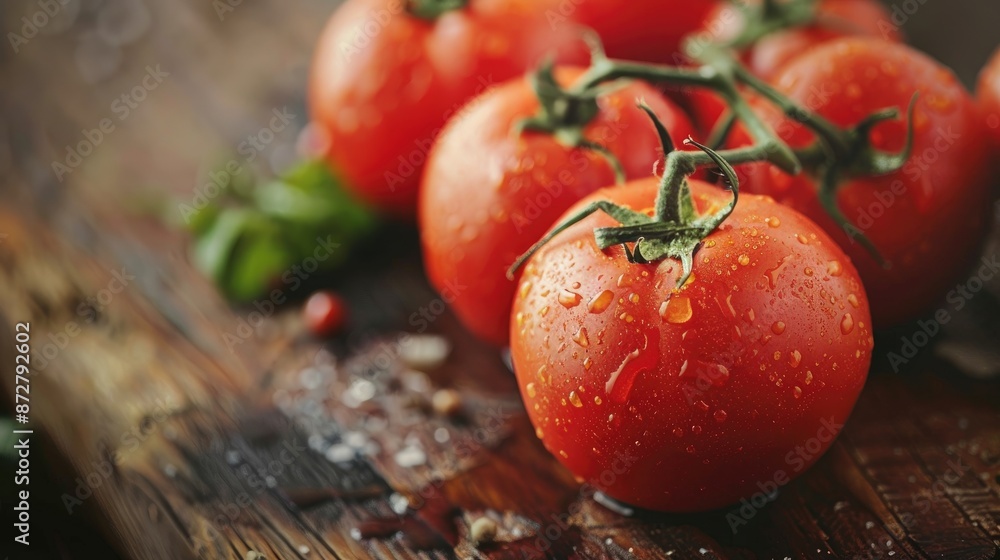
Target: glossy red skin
{"type": "Point", "coordinates": [389, 99]}
{"type": "Point", "coordinates": [645, 30]}
{"type": "Point", "coordinates": [324, 313]}
{"type": "Point", "coordinates": [988, 93]}
{"type": "Point", "coordinates": [487, 194]}
{"type": "Point", "coordinates": [693, 435]}
{"type": "Point", "coordinates": [931, 232]}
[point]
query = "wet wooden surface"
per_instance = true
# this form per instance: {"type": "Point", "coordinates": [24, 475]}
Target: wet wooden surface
{"type": "Point", "coordinates": [201, 447]}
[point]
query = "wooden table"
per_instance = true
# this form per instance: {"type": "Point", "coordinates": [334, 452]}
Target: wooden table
{"type": "Point", "coordinates": [187, 444]}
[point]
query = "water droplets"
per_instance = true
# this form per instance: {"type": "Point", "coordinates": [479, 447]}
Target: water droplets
{"type": "Point", "coordinates": [778, 327]}
{"type": "Point", "coordinates": [676, 310]}
{"type": "Point", "coordinates": [720, 416]}
{"type": "Point", "coordinates": [600, 302]}
{"type": "Point", "coordinates": [569, 299]}
{"type": "Point", "coordinates": [834, 268]}
{"type": "Point", "coordinates": [580, 337]}
{"type": "Point", "coordinates": [794, 358]}
{"type": "Point", "coordinates": [574, 399]}
{"type": "Point", "coordinates": [847, 324]}
{"type": "Point", "coordinates": [530, 389]}
{"type": "Point", "coordinates": [743, 260]}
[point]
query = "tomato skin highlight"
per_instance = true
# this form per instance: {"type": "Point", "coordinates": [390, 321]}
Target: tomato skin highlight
{"type": "Point", "coordinates": [383, 82]}
{"type": "Point", "coordinates": [988, 94]}
{"type": "Point", "coordinates": [927, 219]}
{"type": "Point", "coordinates": [488, 195]}
{"type": "Point", "coordinates": [703, 392]}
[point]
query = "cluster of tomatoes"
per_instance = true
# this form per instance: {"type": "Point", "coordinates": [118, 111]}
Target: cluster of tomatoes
{"type": "Point", "coordinates": [679, 370]}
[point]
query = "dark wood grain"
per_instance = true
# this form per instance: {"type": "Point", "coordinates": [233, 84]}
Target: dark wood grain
{"type": "Point", "coordinates": [212, 450]}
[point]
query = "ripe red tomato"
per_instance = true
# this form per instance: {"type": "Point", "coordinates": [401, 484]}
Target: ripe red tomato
{"type": "Point", "coordinates": [384, 82]}
{"type": "Point", "coordinates": [646, 30]}
{"type": "Point", "coordinates": [324, 313]}
{"type": "Point", "coordinates": [928, 218]}
{"type": "Point", "coordinates": [689, 399]}
{"type": "Point", "coordinates": [488, 195]}
{"type": "Point", "coordinates": [834, 19]}
{"type": "Point", "coordinates": [988, 93]}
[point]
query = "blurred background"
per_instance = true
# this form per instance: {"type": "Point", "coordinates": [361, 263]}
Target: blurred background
{"type": "Point", "coordinates": [207, 68]}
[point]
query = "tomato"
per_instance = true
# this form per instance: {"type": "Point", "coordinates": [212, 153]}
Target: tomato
{"type": "Point", "coordinates": [645, 30]}
{"type": "Point", "coordinates": [988, 93]}
{"type": "Point", "coordinates": [488, 195]}
{"type": "Point", "coordinates": [927, 219]}
{"type": "Point", "coordinates": [834, 19]}
{"type": "Point", "coordinates": [690, 399]}
{"type": "Point", "coordinates": [324, 313]}
{"type": "Point", "coordinates": [384, 82]}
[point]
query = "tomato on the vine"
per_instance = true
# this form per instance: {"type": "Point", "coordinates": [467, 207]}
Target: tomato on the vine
{"type": "Point", "coordinates": [693, 397]}
{"type": "Point", "coordinates": [988, 93]}
{"type": "Point", "coordinates": [488, 194]}
{"type": "Point", "coordinates": [833, 19]}
{"type": "Point", "coordinates": [925, 220]}
{"type": "Point", "coordinates": [769, 54]}
{"type": "Point", "coordinates": [385, 79]}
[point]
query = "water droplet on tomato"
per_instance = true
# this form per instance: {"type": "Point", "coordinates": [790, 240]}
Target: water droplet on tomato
{"type": "Point", "coordinates": [744, 260]}
{"type": "Point", "coordinates": [834, 268]}
{"type": "Point", "coordinates": [679, 432]}
{"type": "Point", "coordinates": [720, 416]}
{"type": "Point", "coordinates": [569, 299]}
{"type": "Point", "coordinates": [530, 388]}
{"type": "Point", "coordinates": [797, 391]}
{"type": "Point", "coordinates": [778, 327]}
{"type": "Point", "coordinates": [691, 449]}
{"type": "Point", "coordinates": [676, 310]}
{"type": "Point", "coordinates": [600, 302]}
{"type": "Point", "coordinates": [853, 300]}
{"type": "Point", "coordinates": [809, 377]}
{"type": "Point", "coordinates": [539, 433]}
{"type": "Point", "coordinates": [575, 399]}
{"type": "Point", "coordinates": [847, 324]}
{"type": "Point", "coordinates": [580, 337]}
{"type": "Point", "coordinates": [696, 429]}
{"type": "Point", "coordinates": [619, 384]}
{"type": "Point", "coordinates": [795, 358]}
{"type": "Point", "coordinates": [774, 222]}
